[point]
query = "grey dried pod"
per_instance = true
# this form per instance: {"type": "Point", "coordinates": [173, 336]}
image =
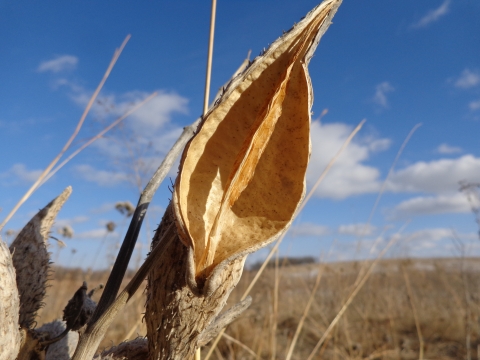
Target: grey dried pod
{"type": "Point", "coordinates": [31, 259]}
{"type": "Point", "coordinates": [65, 347]}
{"type": "Point", "coordinates": [9, 306]}
{"type": "Point", "coordinates": [111, 226]}
{"type": "Point", "coordinates": [79, 309]}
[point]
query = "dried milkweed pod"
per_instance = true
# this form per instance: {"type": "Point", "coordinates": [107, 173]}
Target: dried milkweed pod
{"type": "Point", "coordinates": [10, 338]}
{"type": "Point", "coordinates": [242, 176]}
{"type": "Point", "coordinates": [31, 258]}
{"type": "Point", "coordinates": [241, 179]}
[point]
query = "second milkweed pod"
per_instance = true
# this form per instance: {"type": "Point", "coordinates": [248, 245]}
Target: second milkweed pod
{"type": "Point", "coordinates": [31, 258]}
{"type": "Point", "coordinates": [242, 176]}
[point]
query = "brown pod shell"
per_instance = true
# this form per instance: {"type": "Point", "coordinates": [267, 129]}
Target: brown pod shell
{"type": "Point", "coordinates": [242, 177]}
{"type": "Point", "coordinates": [31, 258]}
{"type": "Point", "coordinates": [10, 338]}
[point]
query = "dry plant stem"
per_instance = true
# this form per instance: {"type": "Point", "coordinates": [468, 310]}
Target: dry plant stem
{"type": "Point", "coordinates": [415, 314]}
{"type": "Point", "coordinates": [382, 189]}
{"type": "Point", "coordinates": [275, 309]}
{"type": "Point", "coordinates": [352, 296]}
{"type": "Point", "coordinates": [305, 312]}
{"type": "Point", "coordinates": [179, 320]}
{"type": "Point", "coordinates": [45, 172]}
{"type": "Point", "coordinates": [99, 135]}
{"type": "Point", "coordinates": [128, 245]}
{"type": "Point", "coordinates": [207, 85]}
{"type": "Point", "coordinates": [242, 345]}
{"type": "Point", "coordinates": [279, 241]}
{"type": "Point", "coordinates": [210, 56]}
{"type": "Point", "coordinates": [96, 331]}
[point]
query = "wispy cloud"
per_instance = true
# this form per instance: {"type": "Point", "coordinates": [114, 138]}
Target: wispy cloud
{"type": "Point", "coordinates": [467, 79]}
{"type": "Point", "coordinates": [447, 149]}
{"type": "Point", "coordinates": [309, 229]}
{"type": "Point", "coordinates": [432, 15]}
{"type": "Point", "coordinates": [350, 176]}
{"type": "Point", "coordinates": [428, 205]}
{"type": "Point", "coordinates": [474, 105]}
{"type": "Point", "coordinates": [357, 229]}
{"type": "Point", "coordinates": [381, 91]}
{"type": "Point", "coordinates": [58, 64]}
{"type": "Point", "coordinates": [438, 176]}
{"type": "Point", "coordinates": [100, 177]}
{"type": "Point", "coordinates": [20, 173]}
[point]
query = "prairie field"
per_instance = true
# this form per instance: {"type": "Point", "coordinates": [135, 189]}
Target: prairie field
{"type": "Point", "coordinates": [406, 306]}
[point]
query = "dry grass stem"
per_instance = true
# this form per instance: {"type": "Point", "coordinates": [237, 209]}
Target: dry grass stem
{"type": "Point", "coordinates": [305, 312]}
{"type": "Point", "coordinates": [45, 172]}
{"type": "Point", "coordinates": [415, 314]}
{"type": "Point", "coordinates": [209, 57]}
{"type": "Point", "coordinates": [351, 297]}
{"type": "Point", "coordinates": [98, 136]}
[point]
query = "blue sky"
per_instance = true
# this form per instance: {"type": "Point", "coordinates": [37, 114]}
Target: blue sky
{"type": "Point", "coordinates": [394, 63]}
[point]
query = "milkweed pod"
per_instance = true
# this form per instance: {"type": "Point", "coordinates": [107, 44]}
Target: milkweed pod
{"type": "Point", "coordinates": [242, 176]}
{"type": "Point", "coordinates": [31, 259]}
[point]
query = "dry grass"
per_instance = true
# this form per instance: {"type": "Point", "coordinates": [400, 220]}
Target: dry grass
{"type": "Point", "coordinates": [379, 324]}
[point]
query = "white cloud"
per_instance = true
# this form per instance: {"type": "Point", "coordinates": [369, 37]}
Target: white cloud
{"type": "Point", "coordinates": [468, 79]}
{"type": "Point", "coordinates": [348, 176]}
{"type": "Point", "coordinates": [309, 229]}
{"type": "Point", "coordinates": [149, 118]}
{"type": "Point", "coordinates": [71, 222]}
{"type": "Point", "coordinates": [432, 15]}
{"type": "Point", "coordinates": [437, 234]}
{"type": "Point", "coordinates": [58, 64]}
{"type": "Point", "coordinates": [100, 177]}
{"type": "Point", "coordinates": [438, 176]}
{"type": "Point", "coordinates": [474, 105]}
{"type": "Point", "coordinates": [19, 172]}
{"type": "Point", "coordinates": [357, 230]}
{"type": "Point", "coordinates": [381, 91]}
{"type": "Point", "coordinates": [95, 234]}
{"type": "Point", "coordinates": [427, 205]}
{"type": "Point", "coordinates": [447, 149]}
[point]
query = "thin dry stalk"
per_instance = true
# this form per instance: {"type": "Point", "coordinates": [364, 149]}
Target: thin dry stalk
{"type": "Point", "coordinates": [207, 88]}
{"type": "Point", "coordinates": [242, 345]}
{"type": "Point", "coordinates": [210, 56]}
{"type": "Point", "coordinates": [305, 312]}
{"type": "Point", "coordinates": [95, 332]}
{"type": "Point", "coordinates": [380, 193]}
{"type": "Point", "coordinates": [275, 309]}
{"type": "Point", "coordinates": [352, 296]}
{"type": "Point", "coordinates": [279, 241]}
{"type": "Point", "coordinates": [415, 314]}
{"type": "Point", "coordinates": [99, 135]}
{"type": "Point", "coordinates": [45, 172]}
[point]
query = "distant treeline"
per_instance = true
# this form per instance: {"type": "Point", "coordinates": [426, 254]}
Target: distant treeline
{"type": "Point", "coordinates": [284, 261]}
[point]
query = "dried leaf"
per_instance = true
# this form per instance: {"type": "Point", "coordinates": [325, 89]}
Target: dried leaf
{"type": "Point", "coordinates": [242, 176]}
{"type": "Point", "coordinates": [31, 258]}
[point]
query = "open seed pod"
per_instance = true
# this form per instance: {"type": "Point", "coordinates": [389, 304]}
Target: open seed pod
{"type": "Point", "coordinates": [242, 176]}
{"type": "Point", "coordinates": [31, 258]}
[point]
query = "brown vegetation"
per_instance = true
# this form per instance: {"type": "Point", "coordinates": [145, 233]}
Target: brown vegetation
{"type": "Point", "coordinates": [379, 324]}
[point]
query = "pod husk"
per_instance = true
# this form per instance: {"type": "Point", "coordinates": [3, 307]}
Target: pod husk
{"type": "Point", "coordinates": [242, 176]}
{"type": "Point", "coordinates": [241, 179]}
{"type": "Point", "coordinates": [31, 259]}
{"type": "Point", "coordinates": [10, 337]}
{"type": "Point", "coordinates": [65, 347]}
